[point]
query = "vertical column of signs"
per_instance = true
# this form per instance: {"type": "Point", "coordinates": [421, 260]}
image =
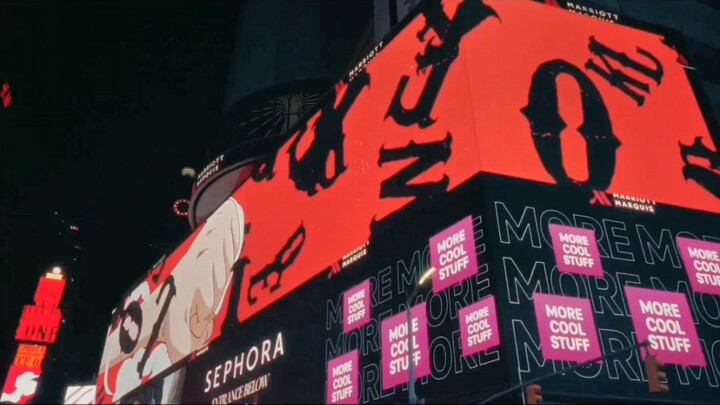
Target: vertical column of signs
{"type": "Point", "coordinates": [566, 324]}
{"type": "Point", "coordinates": [453, 252]}
{"type": "Point", "coordinates": [343, 383]}
{"type": "Point", "coordinates": [39, 323]}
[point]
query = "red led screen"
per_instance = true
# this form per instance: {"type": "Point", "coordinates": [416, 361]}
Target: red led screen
{"type": "Point", "coordinates": [508, 87]}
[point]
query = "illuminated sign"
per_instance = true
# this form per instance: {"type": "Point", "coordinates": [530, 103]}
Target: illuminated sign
{"type": "Point", "coordinates": [50, 290]}
{"type": "Point", "coordinates": [79, 394]}
{"type": "Point", "coordinates": [578, 103]}
{"type": "Point", "coordinates": [6, 95]}
{"type": "Point", "coordinates": [30, 355]}
{"type": "Point", "coordinates": [39, 324]}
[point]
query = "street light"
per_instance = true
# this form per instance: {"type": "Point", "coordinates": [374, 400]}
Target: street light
{"type": "Point", "coordinates": [411, 364]}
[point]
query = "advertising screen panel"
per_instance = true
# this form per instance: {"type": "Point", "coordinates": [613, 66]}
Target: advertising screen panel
{"type": "Point", "coordinates": [644, 293]}
{"type": "Point", "coordinates": [300, 351]}
{"type": "Point", "coordinates": [511, 88]}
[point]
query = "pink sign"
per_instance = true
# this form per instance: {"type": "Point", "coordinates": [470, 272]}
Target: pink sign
{"type": "Point", "coordinates": [452, 253]}
{"type": "Point", "coordinates": [702, 263]}
{"type": "Point", "coordinates": [395, 348]}
{"type": "Point", "coordinates": [663, 318]}
{"type": "Point", "coordinates": [576, 250]}
{"type": "Point", "coordinates": [567, 328]}
{"type": "Point", "coordinates": [479, 326]}
{"type": "Point", "coordinates": [342, 379]}
{"type": "Point", "coordinates": [356, 306]}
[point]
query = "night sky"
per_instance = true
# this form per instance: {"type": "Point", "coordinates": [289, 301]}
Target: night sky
{"type": "Point", "coordinates": [110, 101]}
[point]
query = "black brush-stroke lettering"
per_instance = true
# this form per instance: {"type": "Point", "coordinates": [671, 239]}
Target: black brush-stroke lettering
{"type": "Point", "coordinates": [439, 58]}
{"type": "Point", "coordinates": [425, 156]}
{"type": "Point", "coordinates": [708, 178]}
{"type": "Point", "coordinates": [311, 170]}
{"type": "Point", "coordinates": [279, 265]}
{"type": "Point", "coordinates": [618, 78]}
{"type": "Point", "coordinates": [546, 124]}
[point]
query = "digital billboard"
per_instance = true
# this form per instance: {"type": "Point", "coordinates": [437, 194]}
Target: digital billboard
{"type": "Point", "coordinates": [644, 294]}
{"type": "Point", "coordinates": [22, 379]}
{"type": "Point", "coordinates": [521, 316]}
{"type": "Point", "coordinates": [516, 89]}
{"type": "Point", "coordinates": [39, 323]}
{"type": "Point", "coordinates": [302, 350]}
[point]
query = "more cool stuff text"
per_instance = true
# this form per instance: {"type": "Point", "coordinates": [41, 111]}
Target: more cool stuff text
{"type": "Point", "coordinates": [342, 383]}
{"type": "Point", "coordinates": [478, 325]}
{"type": "Point", "coordinates": [399, 347]}
{"type": "Point", "coordinates": [453, 255]}
{"type": "Point", "coordinates": [707, 264]}
{"type": "Point", "coordinates": [576, 250]}
{"type": "Point", "coordinates": [663, 322]}
{"type": "Point", "coordinates": [566, 326]}
{"type": "Point", "coordinates": [356, 307]}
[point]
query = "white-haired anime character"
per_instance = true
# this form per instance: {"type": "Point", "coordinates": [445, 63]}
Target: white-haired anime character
{"type": "Point", "coordinates": [160, 326]}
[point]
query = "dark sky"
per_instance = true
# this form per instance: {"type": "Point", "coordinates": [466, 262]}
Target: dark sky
{"type": "Point", "coordinates": [111, 100]}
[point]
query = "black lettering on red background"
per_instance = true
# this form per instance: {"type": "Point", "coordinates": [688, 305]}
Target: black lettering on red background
{"type": "Point", "coordinates": [546, 124]}
{"type": "Point", "coordinates": [439, 58]}
{"type": "Point", "coordinates": [282, 262]}
{"type": "Point", "coordinates": [618, 78]}
{"type": "Point", "coordinates": [426, 155]}
{"type": "Point", "coordinates": [708, 178]}
{"type": "Point", "coordinates": [310, 171]}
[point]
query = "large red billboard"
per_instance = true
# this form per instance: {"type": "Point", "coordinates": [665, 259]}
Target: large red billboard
{"type": "Point", "coordinates": [468, 86]}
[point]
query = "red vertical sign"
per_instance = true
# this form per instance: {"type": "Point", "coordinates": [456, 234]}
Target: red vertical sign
{"type": "Point", "coordinates": [38, 323]}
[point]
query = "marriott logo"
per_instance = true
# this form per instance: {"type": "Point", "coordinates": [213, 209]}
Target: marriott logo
{"type": "Point", "coordinates": [623, 202]}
